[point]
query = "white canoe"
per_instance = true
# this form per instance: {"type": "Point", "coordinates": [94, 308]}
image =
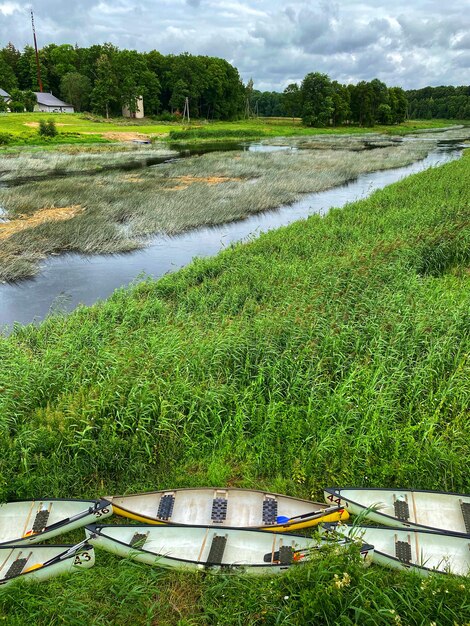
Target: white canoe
{"type": "Point", "coordinates": [230, 507]}
{"type": "Point", "coordinates": [406, 508]}
{"type": "Point", "coordinates": [205, 547]}
{"type": "Point", "coordinates": [43, 562]}
{"type": "Point", "coordinates": [33, 521]}
{"type": "Point", "coordinates": [421, 550]}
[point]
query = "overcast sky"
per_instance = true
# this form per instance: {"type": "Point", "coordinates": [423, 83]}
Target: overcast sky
{"type": "Point", "coordinates": [410, 43]}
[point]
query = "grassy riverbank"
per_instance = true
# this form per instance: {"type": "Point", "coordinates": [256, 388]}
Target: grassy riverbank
{"type": "Point", "coordinates": [334, 351]}
{"type": "Point", "coordinates": [79, 128]}
{"type": "Point", "coordinates": [111, 211]}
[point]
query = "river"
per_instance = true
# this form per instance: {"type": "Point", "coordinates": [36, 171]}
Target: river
{"type": "Point", "coordinates": [67, 280]}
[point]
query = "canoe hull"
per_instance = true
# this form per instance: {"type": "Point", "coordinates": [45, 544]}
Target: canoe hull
{"type": "Point", "coordinates": [38, 520]}
{"type": "Point", "coordinates": [231, 508]}
{"type": "Point", "coordinates": [426, 510]}
{"type": "Point", "coordinates": [203, 547]}
{"type": "Point", "coordinates": [424, 552]}
{"type": "Point", "coordinates": [40, 563]}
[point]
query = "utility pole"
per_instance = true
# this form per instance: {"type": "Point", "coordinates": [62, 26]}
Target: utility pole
{"type": "Point", "coordinates": [37, 54]}
{"type": "Point", "coordinates": [186, 109]}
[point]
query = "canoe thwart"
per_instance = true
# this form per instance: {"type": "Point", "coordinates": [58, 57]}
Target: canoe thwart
{"type": "Point", "coordinates": [270, 511]}
{"type": "Point", "coordinates": [165, 507]}
{"type": "Point", "coordinates": [465, 506]}
{"type": "Point", "coordinates": [403, 551]}
{"type": "Point", "coordinates": [219, 510]}
{"type": "Point", "coordinates": [217, 550]}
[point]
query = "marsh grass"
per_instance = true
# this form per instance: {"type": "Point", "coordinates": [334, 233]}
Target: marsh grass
{"type": "Point", "coordinates": [21, 165]}
{"type": "Point", "coordinates": [121, 209]}
{"type": "Point", "coordinates": [334, 351]}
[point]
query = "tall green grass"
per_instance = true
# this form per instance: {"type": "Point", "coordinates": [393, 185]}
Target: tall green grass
{"type": "Point", "coordinates": [217, 133]}
{"type": "Point", "coordinates": [335, 351]}
{"type": "Point", "coordinates": [333, 589]}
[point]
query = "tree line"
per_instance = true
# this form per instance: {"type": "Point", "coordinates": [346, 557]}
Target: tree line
{"type": "Point", "coordinates": [104, 79]}
{"type": "Point", "coordinates": [452, 103]}
{"type": "Point", "coordinates": [320, 101]}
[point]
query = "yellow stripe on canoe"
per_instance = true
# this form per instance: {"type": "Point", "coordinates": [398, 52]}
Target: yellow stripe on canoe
{"type": "Point", "coordinates": [278, 528]}
{"type": "Point", "coordinates": [32, 568]}
{"type": "Point", "coordinates": [301, 525]}
{"type": "Point", "coordinates": [138, 518]}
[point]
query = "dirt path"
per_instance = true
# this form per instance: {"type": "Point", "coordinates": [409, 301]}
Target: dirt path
{"type": "Point", "coordinates": [121, 135]}
{"type": "Point", "coordinates": [36, 124]}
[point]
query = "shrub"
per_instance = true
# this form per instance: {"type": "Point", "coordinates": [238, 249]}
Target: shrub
{"type": "Point", "coordinates": [167, 117]}
{"type": "Point", "coordinates": [47, 129]}
{"type": "Point", "coordinates": [16, 106]}
{"type": "Point", "coordinates": [5, 139]}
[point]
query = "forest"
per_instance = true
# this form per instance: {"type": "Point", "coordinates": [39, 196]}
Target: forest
{"type": "Point", "coordinates": [102, 79]}
{"type": "Point", "coordinates": [451, 103]}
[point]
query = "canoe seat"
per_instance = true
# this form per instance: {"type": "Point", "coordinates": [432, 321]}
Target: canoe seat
{"type": "Point", "coordinates": [165, 507]}
{"type": "Point", "coordinates": [402, 510]}
{"type": "Point", "coordinates": [16, 568]}
{"type": "Point", "coordinates": [286, 555]}
{"type": "Point", "coordinates": [219, 510]}
{"type": "Point", "coordinates": [283, 556]}
{"type": "Point", "coordinates": [40, 521]}
{"type": "Point", "coordinates": [217, 550]}
{"type": "Point", "coordinates": [138, 540]}
{"type": "Point", "coordinates": [465, 506]}
{"type": "Point", "coordinates": [403, 551]}
{"type": "Point", "coordinates": [269, 511]}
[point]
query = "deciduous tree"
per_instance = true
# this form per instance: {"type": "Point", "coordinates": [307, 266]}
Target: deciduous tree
{"type": "Point", "coordinates": [75, 89]}
{"type": "Point", "coordinates": [317, 100]}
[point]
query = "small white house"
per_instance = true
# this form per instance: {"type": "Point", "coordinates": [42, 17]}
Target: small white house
{"type": "Point", "coordinates": [47, 103]}
{"type": "Point", "coordinates": [5, 96]}
{"type": "Point", "coordinates": [139, 110]}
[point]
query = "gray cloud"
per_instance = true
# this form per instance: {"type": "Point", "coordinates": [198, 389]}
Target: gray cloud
{"type": "Point", "coordinates": [408, 44]}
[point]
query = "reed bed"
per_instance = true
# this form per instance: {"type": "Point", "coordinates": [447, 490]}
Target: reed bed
{"type": "Point", "coordinates": [70, 160]}
{"type": "Point", "coordinates": [334, 351]}
{"type": "Point", "coordinates": [120, 209]}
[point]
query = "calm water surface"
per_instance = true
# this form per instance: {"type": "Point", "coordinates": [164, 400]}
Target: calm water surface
{"type": "Point", "coordinates": [68, 280]}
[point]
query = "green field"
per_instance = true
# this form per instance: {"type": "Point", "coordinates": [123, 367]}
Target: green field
{"type": "Point", "coordinates": [16, 124]}
{"type": "Point", "coordinates": [334, 351]}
